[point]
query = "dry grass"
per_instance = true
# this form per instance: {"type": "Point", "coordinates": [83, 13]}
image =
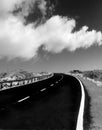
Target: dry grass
{"type": "Point", "coordinates": [95, 93]}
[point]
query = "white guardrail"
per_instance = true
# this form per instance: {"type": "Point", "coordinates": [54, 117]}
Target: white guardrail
{"type": "Point", "coordinates": [16, 83]}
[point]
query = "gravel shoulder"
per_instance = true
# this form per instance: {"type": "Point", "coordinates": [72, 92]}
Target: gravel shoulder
{"type": "Point", "coordinates": [95, 93]}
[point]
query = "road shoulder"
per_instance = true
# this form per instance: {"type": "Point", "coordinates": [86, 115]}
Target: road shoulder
{"type": "Point", "coordinates": [95, 93]}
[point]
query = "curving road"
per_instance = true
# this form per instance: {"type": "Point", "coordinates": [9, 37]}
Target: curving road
{"type": "Point", "coordinates": [57, 104]}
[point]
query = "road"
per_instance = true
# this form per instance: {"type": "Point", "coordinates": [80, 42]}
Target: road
{"type": "Point", "coordinates": [58, 105]}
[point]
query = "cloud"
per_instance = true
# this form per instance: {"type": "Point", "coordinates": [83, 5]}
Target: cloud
{"type": "Point", "coordinates": [60, 35]}
{"type": "Point", "coordinates": [55, 35]}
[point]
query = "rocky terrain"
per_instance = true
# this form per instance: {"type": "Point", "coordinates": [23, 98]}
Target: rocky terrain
{"type": "Point", "coordinates": [94, 76]}
{"type": "Point", "coordinates": [15, 75]}
{"type": "Point", "coordinates": [18, 74]}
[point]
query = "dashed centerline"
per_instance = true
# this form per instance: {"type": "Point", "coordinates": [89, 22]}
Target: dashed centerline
{"type": "Point", "coordinates": [43, 89]}
{"type": "Point", "coordinates": [24, 99]}
{"type": "Point", "coordinates": [52, 85]}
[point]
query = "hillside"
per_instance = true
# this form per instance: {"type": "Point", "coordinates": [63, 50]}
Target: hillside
{"type": "Point", "coordinates": [18, 74]}
{"type": "Point", "coordinates": [92, 75]}
{"type": "Point", "coordinates": [95, 74]}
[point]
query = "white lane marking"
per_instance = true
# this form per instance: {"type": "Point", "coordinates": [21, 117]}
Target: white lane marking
{"type": "Point", "coordinates": [52, 85]}
{"type": "Point", "coordinates": [59, 79]}
{"type": "Point", "coordinates": [80, 122]}
{"type": "Point", "coordinates": [43, 89]}
{"type": "Point", "coordinates": [81, 110]}
{"type": "Point", "coordinates": [24, 99]}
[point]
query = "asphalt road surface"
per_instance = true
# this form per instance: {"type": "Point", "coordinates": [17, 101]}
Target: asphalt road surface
{"type": "Point", "coordinates": [55, 106]}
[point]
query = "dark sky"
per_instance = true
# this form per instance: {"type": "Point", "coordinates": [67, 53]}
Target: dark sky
{"type": "Point", "coordinates": [86, 12]}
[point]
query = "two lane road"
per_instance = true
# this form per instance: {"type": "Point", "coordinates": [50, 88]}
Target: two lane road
{"type": "Point", "coordinates": [58, 105]}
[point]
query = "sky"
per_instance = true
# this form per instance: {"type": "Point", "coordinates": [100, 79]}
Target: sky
{"type": "Point", "coordinates": [50, 35]}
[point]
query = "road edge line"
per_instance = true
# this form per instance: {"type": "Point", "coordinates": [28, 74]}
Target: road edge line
{"type": "Point", "coordinates": [80, 122]}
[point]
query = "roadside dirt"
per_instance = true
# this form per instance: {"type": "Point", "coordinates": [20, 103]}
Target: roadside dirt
{"type": "Point", "coordinates": [95, 93]}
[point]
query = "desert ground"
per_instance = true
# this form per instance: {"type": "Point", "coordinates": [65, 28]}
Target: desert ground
{"type": "Point", "coordinates": [95, 93]}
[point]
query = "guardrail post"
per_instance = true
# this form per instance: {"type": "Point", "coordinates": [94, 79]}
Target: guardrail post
{"type": "Point", "coordinates": [11, 84]}
{"type": "Point", "coordinates": [33, 79]}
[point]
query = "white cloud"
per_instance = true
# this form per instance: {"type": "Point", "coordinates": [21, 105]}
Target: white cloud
{"type": "Point", "coordinates": [58, 34]}
{"type": "Point", "coordinates": [16, 40]}
{"type": "Point", "coordinates": [23, 41]}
